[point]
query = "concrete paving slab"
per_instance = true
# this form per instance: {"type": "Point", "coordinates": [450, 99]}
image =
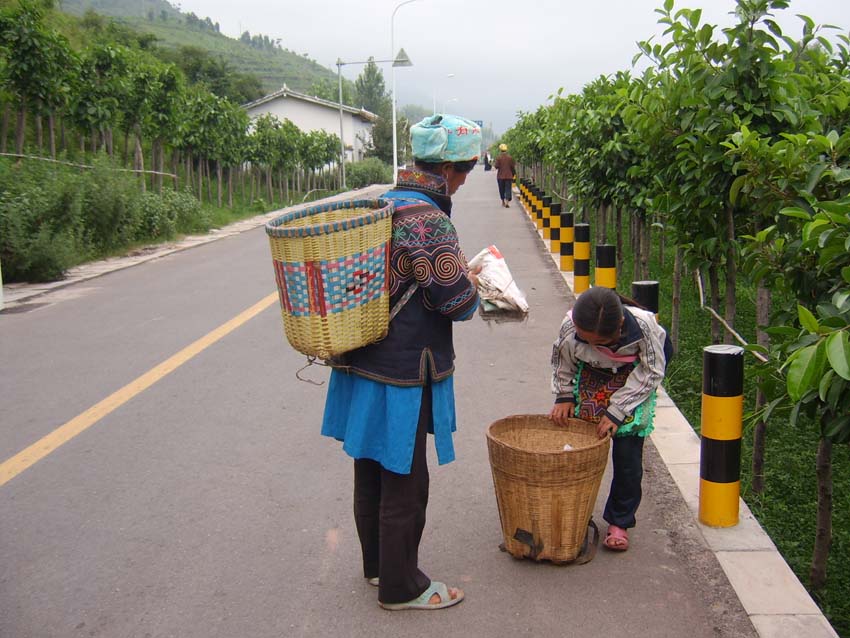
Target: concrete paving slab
{"type": "Point", "coordinates": [765, 584]}
{"type": "Point", "coordinates": [788, 626]}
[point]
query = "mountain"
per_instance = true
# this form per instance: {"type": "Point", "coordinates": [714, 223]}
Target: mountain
{"type": "Point", "coordinates": [257, 54]}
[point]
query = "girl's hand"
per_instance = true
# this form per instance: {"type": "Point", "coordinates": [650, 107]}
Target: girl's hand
{"type": "Point", "coordinates": [606, 426]}
{"type": "Point", "coordinates": [561, 412]}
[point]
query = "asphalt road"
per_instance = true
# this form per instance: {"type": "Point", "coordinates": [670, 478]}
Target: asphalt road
{"type": "Point", "coordinates": [202, 501]}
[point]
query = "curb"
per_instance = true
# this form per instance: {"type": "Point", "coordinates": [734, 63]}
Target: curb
{"type": "Point", "coordinates": [16, 296]}
{"type": "Point", "coordinates": [775, 600]}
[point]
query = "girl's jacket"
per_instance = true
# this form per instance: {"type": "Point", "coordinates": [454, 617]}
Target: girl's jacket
{"type": "Point", "coordinates": [643, 344]}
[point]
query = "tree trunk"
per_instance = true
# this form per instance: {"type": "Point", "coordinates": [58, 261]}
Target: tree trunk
{"type": "Point", "coordinates": [763, 303]}
{"type": "Point", "coordinates": [646, 247]}
{"type": "Point", "coordinates": [676, 299]}
{"type": "Point", "coordinates": [62, 141]}
{"type": "Point", "coordinates": [39, 133]}
{"type": "Point", "coordinates": [139, 162]}
{"type": "Point", "coordinates": [209, 180]}
{"type": "Point", "coordinates": [714, 302]}
{"type": "Point", "coordinates": [823, 533]}
{"type": "Point", "coordinates": [731, 275]}
{"type": "Point", "coordinates": [51, 134]}
{"type": "Point", "coordinates": [160, 168]}
{"type": "Point", "coordinates": [269, 184]}
{"type": "Point", "coordinates": [618, 228]}
{"type": "Point", "coordinates": [230, 187]}
{"type": "Point", "coordinates": [200, 180]}
{"type": "Point", "coordinates": [4, 127]}
{"type": "Point", "coordinates": [175, 163]}
{"type": "Point", "coordinates": [218, 180]}
{"type": "Point", "coordinates": [125, 153]}
{"type": "Point", "coordinates": [661, 244]}
{"type": "Point", "coordinates": [20, 130]}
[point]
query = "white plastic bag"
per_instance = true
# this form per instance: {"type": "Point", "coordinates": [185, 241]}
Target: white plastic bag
{"type": "Point", "coordinates": [495, 282]}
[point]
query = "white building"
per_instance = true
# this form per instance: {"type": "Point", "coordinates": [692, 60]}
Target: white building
{"type": "Point", "coordinates": [310, 113]}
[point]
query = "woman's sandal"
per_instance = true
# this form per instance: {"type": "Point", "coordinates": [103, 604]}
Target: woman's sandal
{"type": "Point", "coordinates": [616, 539]}
{"type": "Point", "coordinates": [375, 582]}
{"type": "Point", "coordinates": [423, 601]}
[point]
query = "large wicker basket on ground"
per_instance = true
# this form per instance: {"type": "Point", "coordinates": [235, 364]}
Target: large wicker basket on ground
{"type": "Point", "coordinates": [331, 268]}
{"type": "Point", "coordinates": [545, 494]}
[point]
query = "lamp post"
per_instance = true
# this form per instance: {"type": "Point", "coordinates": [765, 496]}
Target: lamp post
{"type": "Point", "coordinates": [392, 48]}
{"type": "Point", "coordinates": [450, 75]}
{"type": "Point", "coordinates": [400, 59]}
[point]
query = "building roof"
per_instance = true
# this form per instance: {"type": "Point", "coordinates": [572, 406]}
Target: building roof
{"type": "Point", "coordinates": [286, 92]}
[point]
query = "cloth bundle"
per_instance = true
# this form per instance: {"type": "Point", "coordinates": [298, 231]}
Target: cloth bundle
{"type": "Point", "coordinates": [496, 285]}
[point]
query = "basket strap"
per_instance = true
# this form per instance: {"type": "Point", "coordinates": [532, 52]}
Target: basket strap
{"type": "Point", "coordinates": [588, 548]}
{"type": "Point", "coordinates": [404, 299]}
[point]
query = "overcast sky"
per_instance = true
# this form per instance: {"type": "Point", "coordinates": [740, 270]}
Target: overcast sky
{"type": "Point", "coordinates": [505, 56]}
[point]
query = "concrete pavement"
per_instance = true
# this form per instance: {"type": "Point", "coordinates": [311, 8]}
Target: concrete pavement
{"type": "Point", "coordinates": [750, 569]}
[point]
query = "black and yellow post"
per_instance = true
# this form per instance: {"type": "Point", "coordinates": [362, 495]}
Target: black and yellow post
{"type": "Point", "coordinates": [646, 294]}
{"type": "Point", "coordinates": [605, 274]}
{"type": "Point", "coordinates": [555, 229]}
{"type": "Point", "coordinates": [581, 269]}
{"type": "Point", "coordinates": [532, 200]}
{"type": "Point", "coordinates": [721, 427]}
{"type": "Point", "coordinates": [538, 206]}
{"type": "Point", "coordinates": [547, 218]}
{"type": "Point", "coordinates": [567, 236]}
{"type": "Point", "coordinates": [545, 203]}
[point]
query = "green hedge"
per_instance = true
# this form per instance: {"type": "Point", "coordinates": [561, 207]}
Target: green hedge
{"type": "Point", "coordinates": [55, 217]}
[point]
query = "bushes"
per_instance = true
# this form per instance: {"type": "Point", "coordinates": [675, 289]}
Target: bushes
{"type": "Point", "coordinates": [53, 218]}
{"type": "Point", "coordinates": [367, 172]}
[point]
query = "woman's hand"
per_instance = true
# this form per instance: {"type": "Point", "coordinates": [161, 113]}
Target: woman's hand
{"type": "Point", "coordinates": [606, 426]}
{"type": "Point", "coordinates": [561, 412]}
{"type": "Point", "coordinates": [473, 276]}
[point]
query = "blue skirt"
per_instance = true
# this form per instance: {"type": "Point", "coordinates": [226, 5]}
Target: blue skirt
{"type": "Point", "coordinates": [378, 421]}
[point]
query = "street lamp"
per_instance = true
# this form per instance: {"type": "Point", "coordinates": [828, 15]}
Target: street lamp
{"type": "Point", "coordinates": [400, 59]}
{"type": "Point", "coordinates": [449, 101]}
{"type": "Point", "coordinates": [392, 48]}
{"type": "Point", "coordinates": [450, 75]}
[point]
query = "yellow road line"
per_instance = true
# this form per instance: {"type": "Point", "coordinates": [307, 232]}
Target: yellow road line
{"type": "Point", "coordinates": [13, 466]}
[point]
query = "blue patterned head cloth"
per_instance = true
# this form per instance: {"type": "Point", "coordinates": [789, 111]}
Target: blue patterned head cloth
{"type": "Point", "coordinates": [445, 138]}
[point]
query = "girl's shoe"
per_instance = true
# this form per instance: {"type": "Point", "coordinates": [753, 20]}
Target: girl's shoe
{"type": "Point", "coordinates": [616, 539]}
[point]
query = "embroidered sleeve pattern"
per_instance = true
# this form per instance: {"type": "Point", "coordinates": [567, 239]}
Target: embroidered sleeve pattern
{"type": "Point", "coordinates": [563, 361]}
{"type": "Point", "coordinates": [425, 248]}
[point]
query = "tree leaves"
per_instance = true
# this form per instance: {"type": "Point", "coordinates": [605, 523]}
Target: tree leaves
{"type": "Point", "coordinates": [805, 370]}
{"type": "Point", "coordinates": [838, 352]}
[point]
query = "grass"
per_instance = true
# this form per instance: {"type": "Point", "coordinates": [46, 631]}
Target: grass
{"type": "Point", "coordinates": [787, 508]}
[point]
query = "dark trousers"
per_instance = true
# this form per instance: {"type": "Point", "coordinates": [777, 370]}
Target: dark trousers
{"type": "Point", "coordinates": [624, 497]}
{"type": "Point", "coordinates": [389, 511]}
{"type": "Point", "coordinates": [505, 188]}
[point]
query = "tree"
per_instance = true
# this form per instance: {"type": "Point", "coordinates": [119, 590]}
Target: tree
{"type": "Point", "coordinates": [370, 90]}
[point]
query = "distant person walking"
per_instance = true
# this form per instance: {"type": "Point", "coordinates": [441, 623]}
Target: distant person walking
{"type": "Point", "coordinates": [505, 174]}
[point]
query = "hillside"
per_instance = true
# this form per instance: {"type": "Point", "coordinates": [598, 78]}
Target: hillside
{"type": "Point", "coordinates": [274, 66]}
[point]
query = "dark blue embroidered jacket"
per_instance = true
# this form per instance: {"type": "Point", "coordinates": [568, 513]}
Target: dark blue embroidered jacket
{"type": "Point", "coordinates": [424, 250]}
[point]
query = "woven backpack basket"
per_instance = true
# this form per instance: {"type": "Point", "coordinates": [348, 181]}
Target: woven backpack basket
{"type": "Point", "coordinates": [545, 494]}
{"type": "Point", "coordinates": [331, 267]}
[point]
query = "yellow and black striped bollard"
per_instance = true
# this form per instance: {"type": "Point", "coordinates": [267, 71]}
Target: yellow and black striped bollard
{"type": "Point", "coordinates": [581, 271]}
{"type": "Point", "coordinates": [555, 229]}
{"type": "Point", "coordinates": [721, 427]}
{"type": "Point", "coordinates": [567, 237]}
{"type": "Point", "coordinates": [545, 203]}
{"type": "Point", "coordinates": [605, 274]}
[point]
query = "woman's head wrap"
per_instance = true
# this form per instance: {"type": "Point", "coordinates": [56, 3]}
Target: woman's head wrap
{"type": "Point", "coordinates": [445, 138]}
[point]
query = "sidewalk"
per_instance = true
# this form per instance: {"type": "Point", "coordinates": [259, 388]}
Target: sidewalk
{"type": "Point", "coordinates": [777, 603]}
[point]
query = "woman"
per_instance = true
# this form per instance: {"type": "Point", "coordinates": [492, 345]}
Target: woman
{"type": "Point", "coordinates": [385, 398]}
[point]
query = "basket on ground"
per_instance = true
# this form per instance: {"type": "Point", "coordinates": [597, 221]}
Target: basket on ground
{"type": "Point", "coordinates": [545, 494]}
{"type": "Point", "coordinates": [331, 268]}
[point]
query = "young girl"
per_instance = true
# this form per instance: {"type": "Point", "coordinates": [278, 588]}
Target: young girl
{"type": "Point", "coordinates": [607, 363]}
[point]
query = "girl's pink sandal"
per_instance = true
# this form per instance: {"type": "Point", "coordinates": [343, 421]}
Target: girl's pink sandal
{"type": "Point", "coordinates": [616, 539]}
